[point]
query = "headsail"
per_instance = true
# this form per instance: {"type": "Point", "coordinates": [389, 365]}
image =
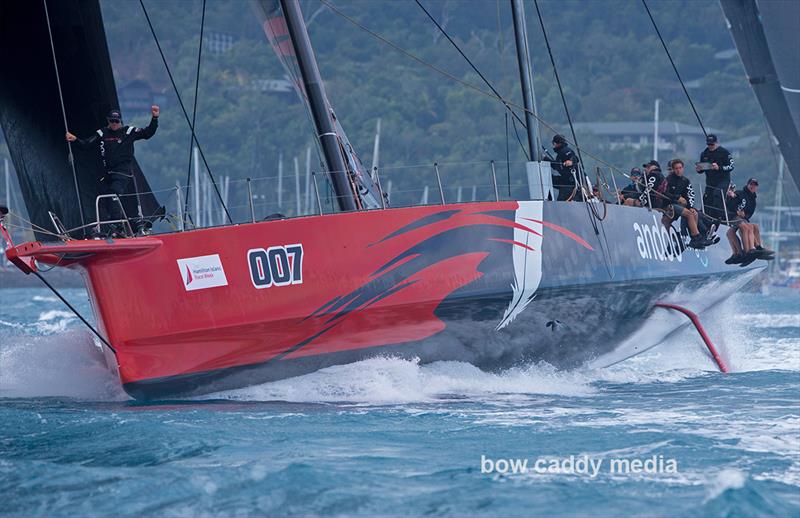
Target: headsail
{"type": "Point", "coordinates": [275, 27]}
{"type": "Point", "coordinates": [30, 111]}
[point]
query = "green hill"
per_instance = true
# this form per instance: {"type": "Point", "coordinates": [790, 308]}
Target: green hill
{"type": "Point", "coordinates": [610, 61]}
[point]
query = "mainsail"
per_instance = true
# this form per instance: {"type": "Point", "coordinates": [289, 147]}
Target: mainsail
{"type": "Point", "coordinates": [765, 33]}
{"type": "Point", "coordinates": [30, 109]}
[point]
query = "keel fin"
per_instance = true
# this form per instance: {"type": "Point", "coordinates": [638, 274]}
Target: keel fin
{"type": "Point", "coordinates": [700, 329]}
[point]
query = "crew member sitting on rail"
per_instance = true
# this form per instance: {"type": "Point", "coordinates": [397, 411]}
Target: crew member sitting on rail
{"type": "Point", "coordinates": [679, 203]}
{"type": "Point", "coordinates": [742, 205]}
{"type": "Point", "coordinates": [629, 195]}
{"type": "Point", "coordinates": [566, 165]}
{"type": "Point", "coordinates": [653, 194]}
{"type": "Point", "coordinates": [115, 145]}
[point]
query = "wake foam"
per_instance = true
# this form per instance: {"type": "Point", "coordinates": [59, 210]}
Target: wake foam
{"type": "Point", "coordinates": [41, 358]}
{"type": "Point", "coordinates": [683, 355]}
{"type": "Point", "coordinates": [66, 365]}
{"type": "Point", "coordinates": [738, 335]}
{"type": "Point", "coordinates": [386, 380]}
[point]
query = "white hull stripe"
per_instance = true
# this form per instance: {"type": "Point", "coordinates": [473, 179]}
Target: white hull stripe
{"type": "Point", "coordinates": [527, 262]}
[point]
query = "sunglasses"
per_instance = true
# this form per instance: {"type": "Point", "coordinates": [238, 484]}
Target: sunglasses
{"type": "Point", "coordinates": [114, 121]}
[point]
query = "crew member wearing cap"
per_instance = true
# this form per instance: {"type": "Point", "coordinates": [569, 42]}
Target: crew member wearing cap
{"type": "Point", "coordinates": [115, 145]}
{"type": "Point", "coordinates": [566, 165]}
{"type": "Point", "coordinates": [629, 195]}
{"type": "Point", "coordinates": [653, 195]}
{"type": "Point", "coordinates": [679, 203]}
{"type": "Point", "coordinates": [742, 205]}
{"type": "Point", "coordinates": [717, 164]}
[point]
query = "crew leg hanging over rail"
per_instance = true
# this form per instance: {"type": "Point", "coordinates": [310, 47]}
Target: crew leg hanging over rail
{"type": "Point", "coordinates": [696, 321]}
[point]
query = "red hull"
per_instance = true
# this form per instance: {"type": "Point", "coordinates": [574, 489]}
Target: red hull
{"type": "Point", "coordinates": [159, 329]}
{"type": "Point", "coordinates": [185, 309]}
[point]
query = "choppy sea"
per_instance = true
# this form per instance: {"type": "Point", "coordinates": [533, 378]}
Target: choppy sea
{"type": "Point", "coordinates": [662, 434]}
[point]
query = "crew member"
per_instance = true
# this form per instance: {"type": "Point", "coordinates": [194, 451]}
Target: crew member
{"type": "Point", "coordinates": [653, 194]}
{"type": "Point", "coordinates": [566, 165]}
{"type": "Point", "coordinates": [115, 145]}
{"type": "Point", "coordinates": [717, 164]}
{"type": "Point", "coordinates": [742, 206]}
{"type": "Point", "coordinates": [679, 203]}
{"type": "Point", "coordinates": [629, 195]}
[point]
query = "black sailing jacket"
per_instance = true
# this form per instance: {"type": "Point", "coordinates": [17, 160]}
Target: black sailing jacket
{"type": "Point", "coordinates": [563, 154]}
{"type": "Point", "coordinates": [721, 177]}
{"type": "Point", "coordinates": [116, 147]}
{"type": "Point", "coordinates": [677, 187]}
{"type": "Point", "coordinates": [744, 201]}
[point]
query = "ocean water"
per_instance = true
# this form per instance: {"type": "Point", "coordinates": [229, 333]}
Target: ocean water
{"type": "Point", "coordinates": [388, 437]}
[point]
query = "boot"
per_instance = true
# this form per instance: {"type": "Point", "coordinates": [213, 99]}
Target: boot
{"type": "Point", "coordinates": [699, 242]}
{"type": "Point", "coordinates": [734, 259]}
{"type": "Point", "coordinates": [749, 257]}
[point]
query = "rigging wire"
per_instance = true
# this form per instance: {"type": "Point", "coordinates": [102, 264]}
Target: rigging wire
{"type": "Point", "coordinates": [466, 84]}
{"type": "Point", "coordinates": [71, 158]}
{"type": "Point", "coordinates": [582, 177]}
{"type": "Point", "coordinates": [519, 140]}
{"type": "Point", "coordinates": [560, 88]}
{"type": "Point", "coordinates": [194, 111]}
{"type": "Point", "coordinates": [471, 64]}
{"type": "Point", "coordinates": [477, 71]}
{"type": "Point", "coordinates": [508, 159]}
{"type": "Point", "coordinates": [185, 113]}
{"type": "Point", "coordinates": [674, 67]}
{"type": "Point", "coordinates": [30, 226]}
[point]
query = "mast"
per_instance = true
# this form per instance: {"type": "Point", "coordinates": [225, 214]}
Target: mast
{"type": "Point", "coordinates": [317, 100]}
{"type": "Point", "coordinates": [525, 73]}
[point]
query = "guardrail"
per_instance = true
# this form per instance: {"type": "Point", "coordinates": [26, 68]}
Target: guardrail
{"type": "Point", "coordinates": [269, 197]}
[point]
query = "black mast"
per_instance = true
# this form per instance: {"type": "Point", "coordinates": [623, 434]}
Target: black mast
{"type": "Point", "coordinates": [317, 100]}
{"type": "Point", "coordinates": [523, 59]}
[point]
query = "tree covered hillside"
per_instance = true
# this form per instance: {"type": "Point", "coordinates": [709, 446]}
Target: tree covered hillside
{"type": "Point", "coordinates": [610, 61]}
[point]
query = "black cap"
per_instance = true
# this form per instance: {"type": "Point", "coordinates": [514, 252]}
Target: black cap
{"type": "Point", "coordinates": [752, 180]}
{"type": "Point", "coordinates": [636, 172]}
{"type": "Point", "coordinates": [711, 138]}
{"type": "Point", "coordinates": [114, 114]}
{"type": "Point", "coordinates": [559, 139]}
{"type": "Point", "coordinates": [652, 162]}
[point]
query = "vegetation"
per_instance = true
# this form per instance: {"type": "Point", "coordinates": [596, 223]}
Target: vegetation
{"type": "Point", "coordinates": [610, 61]}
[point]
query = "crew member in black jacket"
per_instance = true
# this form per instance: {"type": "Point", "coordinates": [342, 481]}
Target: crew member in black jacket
{"type": "Point", "coordinates": [717, 164]}
{"type": "Point", "coordinates": [653, 195]}
{"type": "Point", "coordinates": [679, 203]}
{"type": "Point", "coordinates": [115, 145]}
{"type": "Point", "coordinates": [741, 206]}
{"type": "Point", "coordinates": [629, 195]}
{"type": "Point", "coordinates": [566, 165]}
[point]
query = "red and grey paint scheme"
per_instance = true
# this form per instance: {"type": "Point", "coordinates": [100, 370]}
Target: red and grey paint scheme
{"type": "Point", "coordinates": [491, 283]}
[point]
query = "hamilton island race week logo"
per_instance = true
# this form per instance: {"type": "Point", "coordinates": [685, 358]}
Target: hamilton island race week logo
{"type": "Point", "coordinates": [276, 266]}
{"type": "Point", "coordinates": [202, 272]}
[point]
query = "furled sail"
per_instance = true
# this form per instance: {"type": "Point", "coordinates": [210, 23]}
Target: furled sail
{"type": "Point", "coordinates": [275, 28]}
{"type": "Point", "coordinates": [30, 109]}
{"type": "Point", "coordinates": [765, 33]}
